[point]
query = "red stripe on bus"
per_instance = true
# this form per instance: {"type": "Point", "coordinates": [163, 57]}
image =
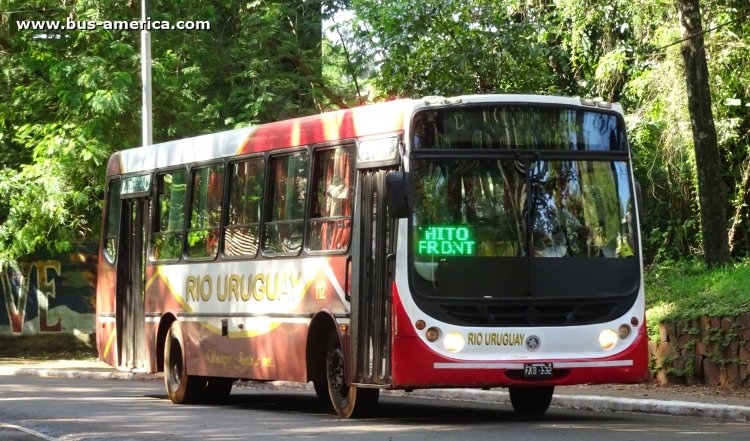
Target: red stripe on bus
{"type": "Point", "coordinates": [344, 124]}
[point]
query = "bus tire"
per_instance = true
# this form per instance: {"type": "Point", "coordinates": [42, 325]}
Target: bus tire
{"type": "Point", "coordinates": [531, 400]}
{"type": "Point", "coordinates": [218, 389]}
{"type": "Point", "coordinates": [321, 390]}
{"type": "Point", "coordinates": [346, 400]}
{"type": "Point", "coordinates": [182, 388]}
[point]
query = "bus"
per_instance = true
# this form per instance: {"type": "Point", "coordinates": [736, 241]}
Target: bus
{"type": "Point", "coordinates": [474, 241]}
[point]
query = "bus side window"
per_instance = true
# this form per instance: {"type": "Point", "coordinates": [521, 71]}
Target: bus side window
{"type": "Point", "coordinates": [207, 188]}
{"type": "Point", "coordinates": [166, 240]}
{"type": "Point", "coordinates": [330, 221]}
{"type": "Point", "coordinates": [112, 222]}
{"type": "Point", "coordinates": [285, 226]}
{"type": "Point", "coordinates": [242, 231]}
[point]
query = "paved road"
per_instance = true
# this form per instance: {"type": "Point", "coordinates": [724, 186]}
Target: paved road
{"type": "Point", "coordinates": [688, 401]}
{"type": "Point", "coordinates": [82, 409]}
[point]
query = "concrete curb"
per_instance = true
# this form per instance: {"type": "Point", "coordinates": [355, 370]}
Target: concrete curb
{"type": "Point", "coordinates": [720, 412]}
{"type": "Point", "coordinates": [73, 373]}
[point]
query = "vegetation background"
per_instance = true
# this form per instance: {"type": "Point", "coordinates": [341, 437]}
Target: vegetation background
{"type": "Point", "coordinates": [68, 99]}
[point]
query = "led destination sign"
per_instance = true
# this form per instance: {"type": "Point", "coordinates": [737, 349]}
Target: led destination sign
{"type": "Point", "coordinates": [446, 241]}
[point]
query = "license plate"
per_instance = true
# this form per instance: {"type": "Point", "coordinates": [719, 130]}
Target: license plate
{"type": "Point", "coordinates": [537, 370]}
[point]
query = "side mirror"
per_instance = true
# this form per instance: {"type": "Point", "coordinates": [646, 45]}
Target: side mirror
{"type": "Point", "coordinates": [397, 194]}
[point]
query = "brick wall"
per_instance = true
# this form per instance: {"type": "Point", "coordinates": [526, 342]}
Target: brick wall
{"type": "Point", "coordinates": [714, 351]}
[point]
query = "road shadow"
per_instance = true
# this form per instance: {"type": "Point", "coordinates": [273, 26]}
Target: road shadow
{"type": "Point", "coordinates": [405, 410]}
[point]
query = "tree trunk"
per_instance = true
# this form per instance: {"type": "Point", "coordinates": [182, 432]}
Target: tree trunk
{"type": "Point", "coordinates": [738, 221]}
{"type": "Point", "coordinates": [708, 163]}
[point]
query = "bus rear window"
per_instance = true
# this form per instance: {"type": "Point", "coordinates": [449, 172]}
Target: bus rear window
{"type": "Point", "coordinates": [166, 241]}
{"type": "Point", "coordinates": [205, 211]}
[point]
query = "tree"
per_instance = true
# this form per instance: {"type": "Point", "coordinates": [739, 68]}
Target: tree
{"type": "Point", "coordinates": [66, 101]}
{"type": "Point", "coordinates": [615, 49]}
{"type": "Point", "coordinates": [450, 47]}
{"type": "Point", "coordinates": [711, 197]}
{"type": "Point", "coordinates": [72, 97]}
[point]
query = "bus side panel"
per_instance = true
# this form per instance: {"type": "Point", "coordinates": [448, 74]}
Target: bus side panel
{"type": "Point", "coordinates": [106, 338]}
{"type": "Point", "coordinates": [256, 330]}
{"type": "Point", "coordinates": [414, 364]}
{"type": "Point", "coordinates": [151, 335]}
{"type": "Point", "coordinates": [153, 314]}
{"type": "Point", "coordinates": [106, 342]}
{"type": "Point", "coordinates": [275, 355]}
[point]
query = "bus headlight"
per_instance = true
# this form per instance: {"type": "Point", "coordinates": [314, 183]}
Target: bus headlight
{"type": "Point", "coordinates": [607, 339]}
{"type": "Point", "coordinates": [454, 341]}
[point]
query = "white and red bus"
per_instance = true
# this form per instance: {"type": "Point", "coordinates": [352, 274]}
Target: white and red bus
{"type": "Point", "coordinates": [468, 242]}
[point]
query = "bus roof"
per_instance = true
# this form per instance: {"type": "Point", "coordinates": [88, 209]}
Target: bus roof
{"type": "Point", "coordinates": [357, 122]}
{"type": "Point", "coordinates": [370, 120]}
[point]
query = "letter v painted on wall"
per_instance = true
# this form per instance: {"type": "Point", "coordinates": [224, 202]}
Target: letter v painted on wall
{"type": "Point", "coordinates": [16, 305]}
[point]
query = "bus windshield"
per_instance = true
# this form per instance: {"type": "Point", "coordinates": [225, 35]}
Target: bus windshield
{"type": "Point", "coordinates": [527, 225]}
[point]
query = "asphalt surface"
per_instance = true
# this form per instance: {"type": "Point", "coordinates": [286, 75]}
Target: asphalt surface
{"type": "Point", "coordinates": [650, 399]}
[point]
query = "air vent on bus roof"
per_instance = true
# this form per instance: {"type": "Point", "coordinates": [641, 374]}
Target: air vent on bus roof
{"type": "Point", "coordinates": [439, 99]}
{"type": "Point", "coordinates": [596, 102]}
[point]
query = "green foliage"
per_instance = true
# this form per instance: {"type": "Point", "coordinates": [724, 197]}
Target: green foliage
{"type": "Point", "coordinates": [688, 289]}
{"type": "Point", "coordinates": [70, 98]}
{"type": "Point", "coordinates": [618, 50]}
{"type": "Point", "coordinates": [67, 101]}
{"type": "Point", "coordinates": [451, 47]}
{"type": "Point", "coordinates": [53, 192]}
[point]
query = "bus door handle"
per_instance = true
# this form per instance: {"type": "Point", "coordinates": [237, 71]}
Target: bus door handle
{"type": "Point", "coordinates": [391, 268]}
{"type": "Point", "coordinates": [389, 264]}
{"type": "Point", "coordinates": [347, 269]}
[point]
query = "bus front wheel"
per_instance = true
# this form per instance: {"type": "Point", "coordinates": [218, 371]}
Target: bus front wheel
{"type": "Point", "coordinates": [347, 400]}
{"type": "Point", "coordinates": [531, 400]}
{"type": "Point", "coordinates": [182, 388]}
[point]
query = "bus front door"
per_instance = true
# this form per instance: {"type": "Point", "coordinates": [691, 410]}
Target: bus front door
{"type": "Point", "coordinates": [372, 276]}
{"type": "Point", "coordinates": [131, 284]}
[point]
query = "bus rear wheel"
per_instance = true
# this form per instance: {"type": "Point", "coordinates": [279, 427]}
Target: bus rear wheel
{"type": "Point", "coordinates": [531, 400]}
{"type": "Point", "coordinates": [217, 389]}
{"type": "Point", "coordinates": [182, 387]}
{"type": "Point", "coordinates": [347, 400]}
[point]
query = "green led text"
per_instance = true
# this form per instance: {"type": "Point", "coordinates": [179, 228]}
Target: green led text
{"type": "Point", "coordinates": [446, 241]}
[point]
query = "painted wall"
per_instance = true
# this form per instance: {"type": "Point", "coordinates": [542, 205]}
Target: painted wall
{"type": "Point", "coordinates": [50, 294]}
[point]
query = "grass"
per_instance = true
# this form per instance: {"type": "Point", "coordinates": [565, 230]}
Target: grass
{"type": "Point", "coordinates": [688, 289]}
{"type": "Point", "coordinates": [46, 347]}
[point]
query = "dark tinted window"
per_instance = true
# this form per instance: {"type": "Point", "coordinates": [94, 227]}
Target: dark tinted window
{"type": "Point", "coordinates": [284, 230]}
{"type": "Point", "coordinates": [517, 127]}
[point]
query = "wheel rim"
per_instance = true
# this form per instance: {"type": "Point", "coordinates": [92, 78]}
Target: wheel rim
{"type": "Point", "coordinates": [335, 370]}
{"type": "Point", "coordinates": [175, 363]}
